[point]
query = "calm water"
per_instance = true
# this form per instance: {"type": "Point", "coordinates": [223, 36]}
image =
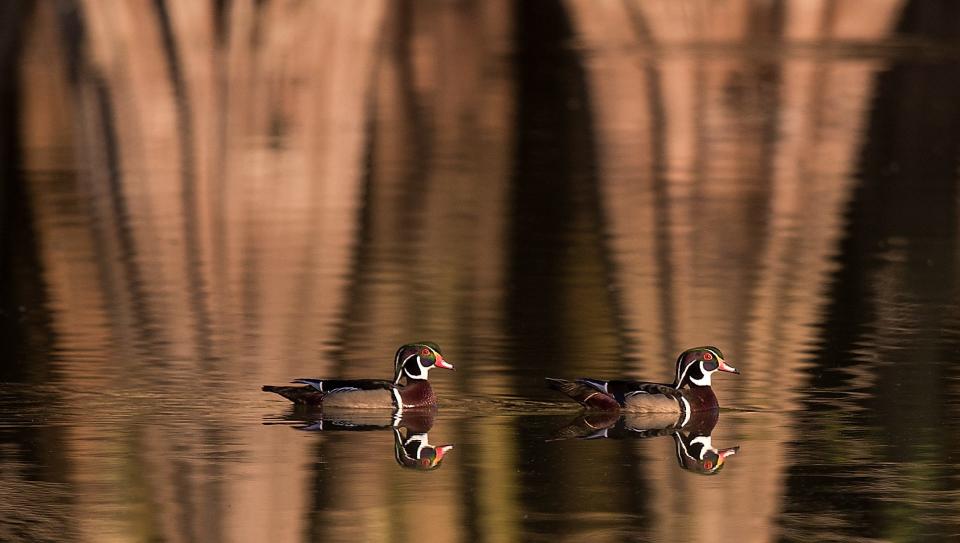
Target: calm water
{"type": "Point", "coordinates": [201, 200]}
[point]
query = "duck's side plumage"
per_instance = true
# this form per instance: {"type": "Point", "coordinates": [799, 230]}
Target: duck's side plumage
{"type": "Point", "coordinates": [358, 394]}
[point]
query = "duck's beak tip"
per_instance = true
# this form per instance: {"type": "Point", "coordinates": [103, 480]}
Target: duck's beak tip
{"type": "Point", "coordinates": [728, 368]}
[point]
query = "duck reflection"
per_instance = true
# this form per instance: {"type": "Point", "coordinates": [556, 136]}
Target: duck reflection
{"type": "Point", "coordinates": [411, 442]}
{"type": "Point", "coordinates": [694, 448]}
{"type": "Point", "coordinates": [414, 451]}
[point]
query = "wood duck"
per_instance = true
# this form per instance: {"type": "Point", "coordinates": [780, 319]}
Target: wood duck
{"type": "Point", "coordinates": [412, 363]}
{"type": "Point", "coordinates": [694, 448]}
{"type": "Point", "coordinates": [689, 393]}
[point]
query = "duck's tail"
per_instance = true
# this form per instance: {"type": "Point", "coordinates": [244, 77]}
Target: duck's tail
{"type": "Point", "coordinates": [583, 393]}
{"type": "Point", "coordinates": [304, 395]}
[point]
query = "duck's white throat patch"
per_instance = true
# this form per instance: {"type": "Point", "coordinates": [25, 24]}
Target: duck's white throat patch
{"type": "Point", "coordinates": [706, 443]}
{"type": "Point", "coordinates": [703, 381]}
{"type": "Point", "coordinates": [422, 370]}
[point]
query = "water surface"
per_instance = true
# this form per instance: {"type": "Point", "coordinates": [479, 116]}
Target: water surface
{"type": "Point", "coordinates": [201, 201]}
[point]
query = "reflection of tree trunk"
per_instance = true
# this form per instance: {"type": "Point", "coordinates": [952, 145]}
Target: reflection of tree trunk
{"type": "Point", "coordinates": [34, 466]}
{"type": "Point", "coordinates": [558, 267]}
{"type": "Point", "coordinates": [21, 288]}
{"type": "Point", "coordinates": [694, 146]}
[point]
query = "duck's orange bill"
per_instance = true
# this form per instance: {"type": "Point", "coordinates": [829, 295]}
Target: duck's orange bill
{"type": "Point", "coordinates": [727, 368]}
{"type": "Point", "coordinates": [723, 453]}
{"type": "Point", "coordinates": [441, 363]}
{"type": "Point", "coordinates": [442, 450]}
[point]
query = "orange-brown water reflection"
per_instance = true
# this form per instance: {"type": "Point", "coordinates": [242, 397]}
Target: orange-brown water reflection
{"type": "Point", "coordinates": [202, 198]}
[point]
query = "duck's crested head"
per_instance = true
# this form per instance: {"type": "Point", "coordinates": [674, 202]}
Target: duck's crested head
{"type": "Point", "coordinates": [696, 365]}
{"type": "Point", "coordinates": [416, 452]}
{"type": "Point", "coordinates": [415, 360]}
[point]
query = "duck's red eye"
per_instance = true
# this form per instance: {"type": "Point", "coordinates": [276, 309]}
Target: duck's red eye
{"type": "Point", "coordinates": [708, 464]}
{"type": "Point", "coordinates": [707, 356]}
{"type": "Point", "coordinates": [425, 352]}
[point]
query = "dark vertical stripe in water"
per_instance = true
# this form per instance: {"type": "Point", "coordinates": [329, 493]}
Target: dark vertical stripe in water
{"type": "Point", "coordinates": [392, 189]}
{"type": "Point", "coordinates": [184, 508]}
{"type": "Point", "coordinates": [25, 329]}
{"type": "Point", "coordinates": [191, 227]}
{"type": "Point", "coordinates": [221, 21]}
{"type": "Point", "coordinates": [761, 99]}
{"type": "Point", "coordinates": [555, 185]}
{"type": "Point", "coordinates": [219, 170]}
{"type": "Point", "coordinates": [906, 203]}
{"type": "Point", "coordinates": [143, 321]}
{"type": "Point", "coordinates": [322, 500]}
{"type": "Point", "coordinates": [30, 452]}
{"type": "Point", "coordinates": [419, 132]}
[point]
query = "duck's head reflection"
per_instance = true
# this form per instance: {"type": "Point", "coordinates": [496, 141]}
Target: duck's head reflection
{"type": "Point", "coordinates": [411, 442]}
{"type": "Point", "coordinates": [694, 448]}
{"type": "Point", "coordinates": [416, 452]}
{"type": "Point", "coordinates": [696, 453]}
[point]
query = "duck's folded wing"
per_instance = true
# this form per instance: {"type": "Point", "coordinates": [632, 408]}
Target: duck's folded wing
{"type": "Point", "coordinates": [329, 386]}
{"type": "Point", "coordinates": [362, 392]}
{"type": "Point", "coordinates": [650, 388]}
{"type": "Point", "coordinates": [623, 389]}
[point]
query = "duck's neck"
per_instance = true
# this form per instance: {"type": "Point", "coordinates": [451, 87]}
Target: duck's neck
{"type": "Point", "coordinates": [417, 393]}
{"type": "Point", "coordinates": [700, 398]}
{"type": "Point", "coordinates": [693, 376]}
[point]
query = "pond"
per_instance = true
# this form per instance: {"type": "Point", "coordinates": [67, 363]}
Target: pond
{"type": "Point", "coordinates": [201, 200]}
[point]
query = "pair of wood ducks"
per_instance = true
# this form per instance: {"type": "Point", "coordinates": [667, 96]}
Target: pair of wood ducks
{"type": "Point", "coordinates": [689, 393]}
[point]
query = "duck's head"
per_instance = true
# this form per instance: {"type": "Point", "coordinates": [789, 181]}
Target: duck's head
{"type": "Point", "coordinates": [415, 360]}
{"type": "Point", "coordinates": [695, 366]}
{"type": "Point", "coordinates": [416, 452]}
{"type": "Point", "coordinates": [696, 453]}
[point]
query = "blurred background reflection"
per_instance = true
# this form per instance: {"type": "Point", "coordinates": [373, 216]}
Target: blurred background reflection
{"type": "Point", "coordinates": [199, 197]}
